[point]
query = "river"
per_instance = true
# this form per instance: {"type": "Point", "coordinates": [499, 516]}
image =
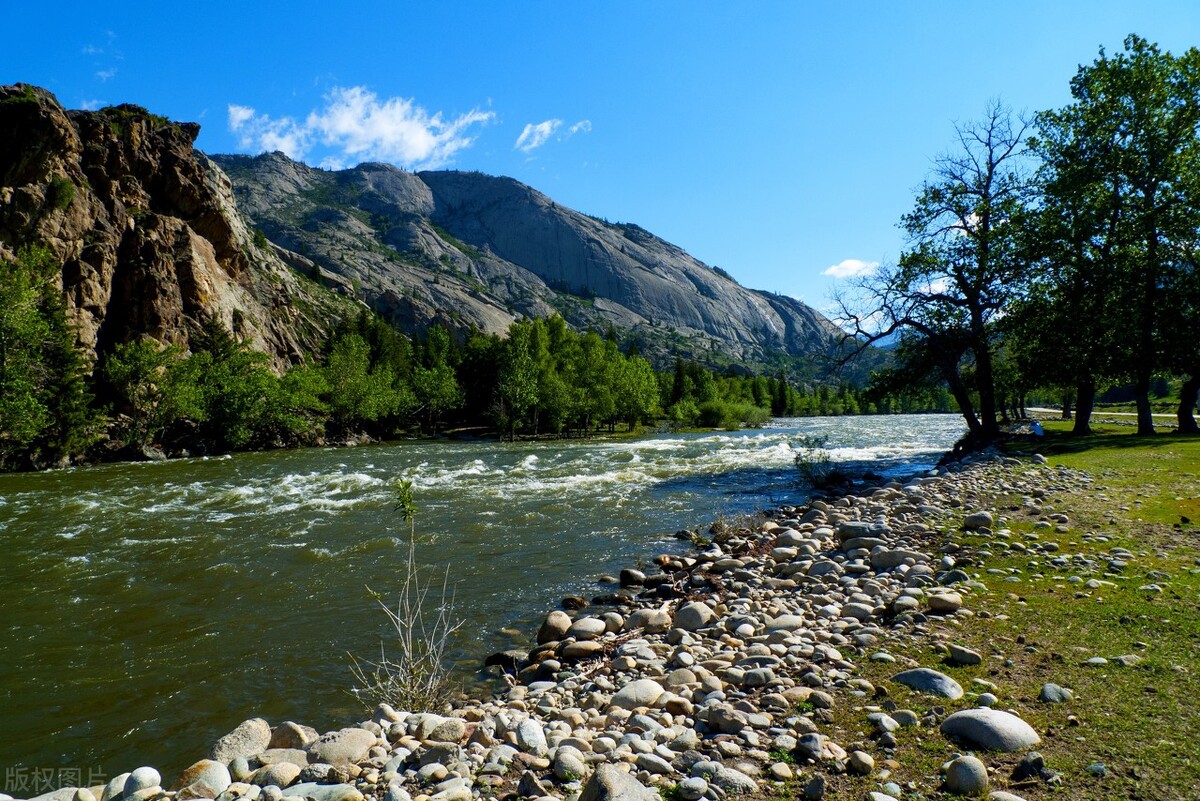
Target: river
{"type": "Point", "coordinates": [148, 608]}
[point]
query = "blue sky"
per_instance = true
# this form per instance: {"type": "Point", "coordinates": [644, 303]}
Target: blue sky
{"type": "Point", "coordinates": [772, 139]}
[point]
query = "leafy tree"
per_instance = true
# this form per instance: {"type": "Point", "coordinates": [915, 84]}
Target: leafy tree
{"type": "Point", "coordinates": [437, 392]}
{"type": "Point", "coordinates": [46, 413]}
{"type": "Point", "coordinates": [358, 395]}
{"type": "Point", "coordinates": [1122, 164]}
{"type": "Point", "coordinates": [138, 378]}
{"type": "Point", "coordinates": [636, 391]}
{"type": "Point", "coordinates": [964, 265]}
{"type": "Point", "coordinates": [518, 380]}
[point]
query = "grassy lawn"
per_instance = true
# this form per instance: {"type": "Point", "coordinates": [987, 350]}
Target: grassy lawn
{"type": "Point", "coordinates": [1035, 622]}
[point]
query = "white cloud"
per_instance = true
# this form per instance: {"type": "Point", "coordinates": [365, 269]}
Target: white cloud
{"type": "Point", "coordinates": [850, 268]}
{"type": "Point", "coordinates": [359, 126]}
{"type": "Point", "coordinates": [91, 105]}
{"type": "Point", "coordinates": [107, 74]}
{"type": "Point", "coordinates": [534, 136]}
{"type": "Point", "coordinates": [239, 116]}
{"type": "Point", "coordinates": [262, 133]}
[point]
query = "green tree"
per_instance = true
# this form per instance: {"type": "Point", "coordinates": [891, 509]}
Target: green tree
{"type": "Point", "coordinates": [1123, 168]}
{"type": "Point", "coordinates": [358, 395]}
{"type": "Point", "coordinates": [46, 412]}
{"type": "Point", "coordinates": [437, 393]}
{"type": "Point", "coordinates": [518, 380]}
{"type": "Point", "coordinates": [636, 391]}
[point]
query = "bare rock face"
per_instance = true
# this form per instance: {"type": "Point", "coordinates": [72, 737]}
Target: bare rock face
{"type": "Point", "coordinates": [145, 228]}
{"type": "Point", "coordinates": [467, 250]}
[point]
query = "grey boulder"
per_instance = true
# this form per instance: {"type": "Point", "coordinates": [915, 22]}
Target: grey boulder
{"type": "Point", "coordinates": [610, 784]}
{"type": "Point", "coordinates": [990, 730]}
{"type": "Point", "coordinates": [930, 682]}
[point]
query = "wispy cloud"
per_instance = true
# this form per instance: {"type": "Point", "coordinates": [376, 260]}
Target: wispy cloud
{"type": "Point", "coordinates": [104, 71]}
{"type": "Point", "coordinates": [91, 105]}
{"type": "Point", "coordinates": [850, 268]}
{"type": "Point", "coordinates": [534, 135]}
{"type": "Point", "coordinates": [359, 126]}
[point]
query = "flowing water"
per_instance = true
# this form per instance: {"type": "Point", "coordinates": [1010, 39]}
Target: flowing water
{"type": "Point", "coordinates": [148, 608]}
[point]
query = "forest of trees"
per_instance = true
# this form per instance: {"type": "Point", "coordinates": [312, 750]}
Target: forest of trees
{"type": "Point", "coordinates": [542, 379]}
{"type": "Point", "coordinates": [1056, 254]}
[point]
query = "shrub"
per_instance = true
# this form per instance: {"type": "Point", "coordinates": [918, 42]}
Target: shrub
{"type": "Point", "coordinates": [61, 193]}
{"type": "Point", "coordinates": [814, 462]}
{"type": "Point", "coordinates": [416, 675]}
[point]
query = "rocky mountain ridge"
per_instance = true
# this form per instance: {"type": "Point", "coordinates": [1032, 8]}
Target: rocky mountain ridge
{"type": "Point", "coordinates": [146, 229]}
{"type": "Point", "coordinates": [154, 238]}
{"type": "Point", "coordinates": [467, 249]}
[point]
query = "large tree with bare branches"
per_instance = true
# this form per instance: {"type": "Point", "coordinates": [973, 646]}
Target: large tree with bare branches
{"type": "Point", "coordinates": [963, 265]}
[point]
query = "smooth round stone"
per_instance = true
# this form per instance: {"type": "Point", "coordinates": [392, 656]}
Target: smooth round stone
{"type": "Point", "coordinates": [906, 718]}
{"type": "Point", "coordinates": [554, 627]}
{"type": "Point", "coordinates": [860, 762]}
{"type": "Point", "coordinates": [978, 520]}
{"type": "Point", "coordinates": [587, 628]}
{"type": "Point", "coordinates": [142, 779]}
{"type": "Point", "coordinates": [692, 788]}
{"type": "Point", "coordinates": [930, 682]}
{"type": "Point", "coordinates": [584, 649]}
{"type": "Point", "coordinates": [643, 692]}
{"type": "Point", "coordinates": [961, 655]}
{"type": "Point", "coordinates": [883, 721]}
{"type": "Point", "coordinates": [569, 766]}
{"type": "Point", "coordinates": [693, 616]}
{"type": "Point", "coordinates": [1054, 694]}
{"type": "Point", "coordinates": [966, 776]}
{"type": "Point", "coordinates": [987, 699]}
{"type": "Point", "coordinates": [945, 603]}
{"type": "Point", "coordinates": [990, 730]}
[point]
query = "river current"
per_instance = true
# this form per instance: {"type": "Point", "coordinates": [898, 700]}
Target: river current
{"type": "Point", "coordinates": [149, 608]}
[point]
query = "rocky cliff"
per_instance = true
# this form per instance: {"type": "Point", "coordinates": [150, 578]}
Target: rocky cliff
{"type": "Point", "coordinates": [151, 238]}
{"type": "Point", "coordinates": [468, 249]}
{"type": "Point", "coordinates": [146, 230]}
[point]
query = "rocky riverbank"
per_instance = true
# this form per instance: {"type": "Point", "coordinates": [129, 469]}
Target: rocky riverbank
{"type": "Point", "coordinates": [720, 674]}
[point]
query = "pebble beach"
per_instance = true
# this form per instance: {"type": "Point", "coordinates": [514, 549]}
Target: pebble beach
{"type": "Point", "coordinates": [716, 673]}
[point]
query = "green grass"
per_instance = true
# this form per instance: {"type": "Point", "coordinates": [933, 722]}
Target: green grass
{"type": "Point", "coordinates": [1141, 721]}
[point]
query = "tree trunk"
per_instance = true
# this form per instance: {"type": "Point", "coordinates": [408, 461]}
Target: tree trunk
{"type": "Point", "coordinates": [1145, 419]}
{"type": "Point", "coordinates": [1066, 404]}
{"type": "Point", "coordinates": [1187, 405]}
{"type": "Point", "coordinates": [963, 398]}
{"type": "Point", "coordinates": [1085, 395]}
{"type": "Point", "coordinates": [989, 427]}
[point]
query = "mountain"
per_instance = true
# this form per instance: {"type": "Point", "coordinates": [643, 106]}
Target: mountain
{"type": "Point", "coordinates": [146, 229]}
{"type": "Point", "coordinates": [155, 238]}
{"type": "Point", "coordinates": [467, 249]}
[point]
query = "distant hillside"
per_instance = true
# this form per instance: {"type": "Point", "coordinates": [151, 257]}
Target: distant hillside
{"type": "Point", "coordinates": [154, 238]}
{"type": "Point", "coordinates": [468, 249]}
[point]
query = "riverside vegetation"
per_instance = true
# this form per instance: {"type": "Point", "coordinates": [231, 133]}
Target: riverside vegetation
{"type": "Point", "coordinates": [1016, 625]}
{"type": "Point", "coordinates": [370, 381]}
